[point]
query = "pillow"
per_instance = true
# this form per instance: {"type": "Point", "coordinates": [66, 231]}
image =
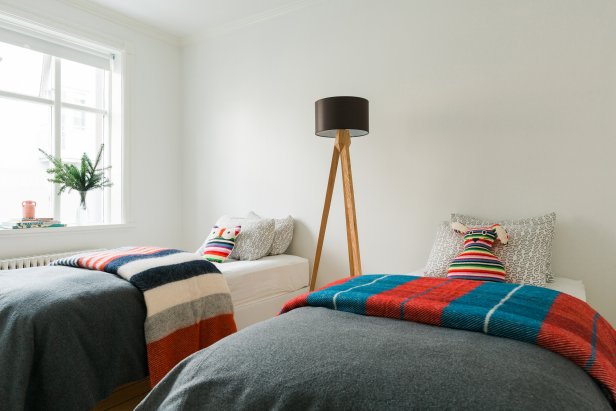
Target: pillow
{"type": "Point", "coordinates": [466, 219]}
{"type": "Point", "coordinates": [446, 247]}
{"type": "Point", "coordinates": [525, 257]}
{"type": "Point", "coordinates": [538, 248]}
{"type": "Point", "coordinates": [254, 241]}
{"type": "Point", "coordinates": [283, 233]}
{"type": "Point", "coordinates": [219, 243]}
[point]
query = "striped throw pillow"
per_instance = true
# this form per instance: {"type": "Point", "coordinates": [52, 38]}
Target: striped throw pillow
{"type": "Point", "coordinates": [477, 261]}
{"type": "Point", "coordinates": [220, 243]}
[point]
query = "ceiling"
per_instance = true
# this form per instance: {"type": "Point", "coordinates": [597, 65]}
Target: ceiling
{"type": "Point", "coordinates": [185, 17]}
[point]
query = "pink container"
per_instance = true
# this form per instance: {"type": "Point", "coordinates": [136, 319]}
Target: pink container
{"type": "Point", "coordinates": [28, 208]}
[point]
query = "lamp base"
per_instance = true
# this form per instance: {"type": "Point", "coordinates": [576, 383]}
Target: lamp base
{"type": "Point", "coordinates": [341, 152]}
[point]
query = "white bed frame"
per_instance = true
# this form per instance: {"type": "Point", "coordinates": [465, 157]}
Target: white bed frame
{"type": "Point", "coordinates": [255, 311]}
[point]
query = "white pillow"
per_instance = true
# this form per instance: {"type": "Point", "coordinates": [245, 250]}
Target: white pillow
{"type": "Point", "coordinates": [283, 233]}
{"type": "Point", "coordinates": [255, 238]}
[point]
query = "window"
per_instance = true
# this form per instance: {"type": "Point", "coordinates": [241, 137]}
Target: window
{"type": "Point", "coordinates": [63, 96]}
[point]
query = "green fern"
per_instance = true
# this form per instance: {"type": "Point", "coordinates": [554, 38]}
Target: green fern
{"type": "Point", "coordinates": [86, 177]}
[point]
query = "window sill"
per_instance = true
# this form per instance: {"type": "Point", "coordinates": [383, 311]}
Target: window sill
{"type": "Point", "coordinates": [64, 230]}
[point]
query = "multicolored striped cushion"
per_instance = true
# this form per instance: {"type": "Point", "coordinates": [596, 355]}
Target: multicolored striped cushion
{"type": "Point", "coordinates": [220, 243]}
{"type": "Point", "coordinates": [477, 261]}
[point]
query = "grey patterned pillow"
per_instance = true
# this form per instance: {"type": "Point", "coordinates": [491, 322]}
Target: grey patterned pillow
{"type": "Point", "coordinates": [255, 239]}
{"type": "Point", "coordinates": [283, 233]}
{"type": "Point", "coordinates": [524, 256]}
{"type": "Point", "coordinates": [534, 252]}
{"type": "Point", "coordinates": [447, 245]}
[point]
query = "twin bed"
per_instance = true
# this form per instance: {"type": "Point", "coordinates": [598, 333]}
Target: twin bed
{"type": "Point", "coordinates": [320, 354]}
{"type": "Point", "coordinates": [70, 336]}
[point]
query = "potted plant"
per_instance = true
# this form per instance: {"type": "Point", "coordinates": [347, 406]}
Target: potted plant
{"type": "Point", "coordinates": [82, 178]}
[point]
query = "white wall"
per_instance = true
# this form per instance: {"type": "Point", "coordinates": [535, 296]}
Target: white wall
{"type": "Point", "coordinates": [153, 135]}
{"type": "Point", "coordinates": [494, 108]}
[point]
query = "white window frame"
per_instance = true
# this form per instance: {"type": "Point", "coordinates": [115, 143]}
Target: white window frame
{"type": "Point", "coordinates": [118, 57]}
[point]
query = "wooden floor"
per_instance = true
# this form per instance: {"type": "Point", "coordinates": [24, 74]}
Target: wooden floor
{"type": "Point", "coordinates": [126, 397]}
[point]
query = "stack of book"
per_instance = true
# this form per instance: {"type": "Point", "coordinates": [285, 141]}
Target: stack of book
{"type": "Point", "coordinates": [31, 223]}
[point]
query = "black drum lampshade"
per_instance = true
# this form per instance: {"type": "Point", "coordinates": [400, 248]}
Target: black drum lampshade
{"type": "Point", "coordinates": [341, 113]}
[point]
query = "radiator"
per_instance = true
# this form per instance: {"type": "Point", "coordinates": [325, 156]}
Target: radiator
{"type": "Point", "coordinates": [35, 261]}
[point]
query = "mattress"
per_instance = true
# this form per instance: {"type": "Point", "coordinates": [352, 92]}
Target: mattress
{"type": "Point", "coordinates": [572, 287]}
{"type": "Point", "coordinates": [267, 277]}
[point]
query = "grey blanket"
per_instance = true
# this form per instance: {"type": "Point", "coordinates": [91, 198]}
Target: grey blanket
{"type": "Point", "coordinates": [315, 358]}
{"type": "Point", "coordinates": [68, 337]}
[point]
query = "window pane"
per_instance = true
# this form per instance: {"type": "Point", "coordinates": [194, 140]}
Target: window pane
{"type": "Point", "coordinates": [82, 132]}
{"type": "Point", "coordinates": [83, 85]}
{"type": "Point", "coordinates": [25, 71]}
{"type": "Point", "coordinates": [24, 127]}
{"type": "Point", "coordinates": [70, 203]}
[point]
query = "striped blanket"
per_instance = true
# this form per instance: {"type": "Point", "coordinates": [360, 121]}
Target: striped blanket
{"type": "Point", "coordinates": [551, 319]}
{"type": "Point", "coordinates": [187, 299]}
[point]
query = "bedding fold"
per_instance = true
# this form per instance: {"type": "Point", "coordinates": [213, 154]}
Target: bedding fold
{"type": "Point", "coordinates": [187, 299]}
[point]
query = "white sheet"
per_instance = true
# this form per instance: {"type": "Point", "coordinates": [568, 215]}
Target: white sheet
{"type": "Point", "coordinates": [266, 277]}
{"type": "Point", "coordinates": [572, 287]}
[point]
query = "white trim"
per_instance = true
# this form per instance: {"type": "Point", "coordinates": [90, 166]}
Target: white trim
{"type": "Point", "coordinates": [56, 147]}
{"type": "Point", "coordinates": [49, 102]}
{"type": "Point", "coordinates": [238, 24]}
{"type": "Point", "coordinates": [127, 85]}
{"type": "Point", "coordinates": [33, 99]}
{"type": "Point", "coordinates": [50, 42]}
{"type": "Point", "coordinates": [124, 20]}
{"type": "Point", "coordinates": [26, 232]}
{"type": "Point", "coordinates": [44, 26]}
{"type": "Point", "coordinates": [83, 108]}
{"type": "Point", "coordinates": [108, 141]}
{"type": "Point", "coordinates": [59, 27]}
{"type": "Point", "coordinates": [120, 19]}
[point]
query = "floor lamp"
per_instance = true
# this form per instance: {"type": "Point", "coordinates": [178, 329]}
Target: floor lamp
{"type": "Point", "coordinates": [342, 118]}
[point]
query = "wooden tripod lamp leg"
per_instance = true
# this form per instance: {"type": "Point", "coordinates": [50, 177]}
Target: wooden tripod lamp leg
{"type": "Point", "coordinates": [328, 199]}
{"type": "Point", "coordinates": [349, 204]}
{"type": "Point", "coordinates": [342, 140]}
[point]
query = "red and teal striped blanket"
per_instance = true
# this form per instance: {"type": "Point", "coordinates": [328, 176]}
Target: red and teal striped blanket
{"type": "Point", "coordinates": [187, 299]}
{"type": "Point", "coordinates": [550, 319]}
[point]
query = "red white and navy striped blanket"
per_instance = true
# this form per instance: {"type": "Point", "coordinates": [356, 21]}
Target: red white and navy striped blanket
{"type": "Point", "coordinates": [187, 299]}
{"type": "Point", "coordinates": [550, 319]}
